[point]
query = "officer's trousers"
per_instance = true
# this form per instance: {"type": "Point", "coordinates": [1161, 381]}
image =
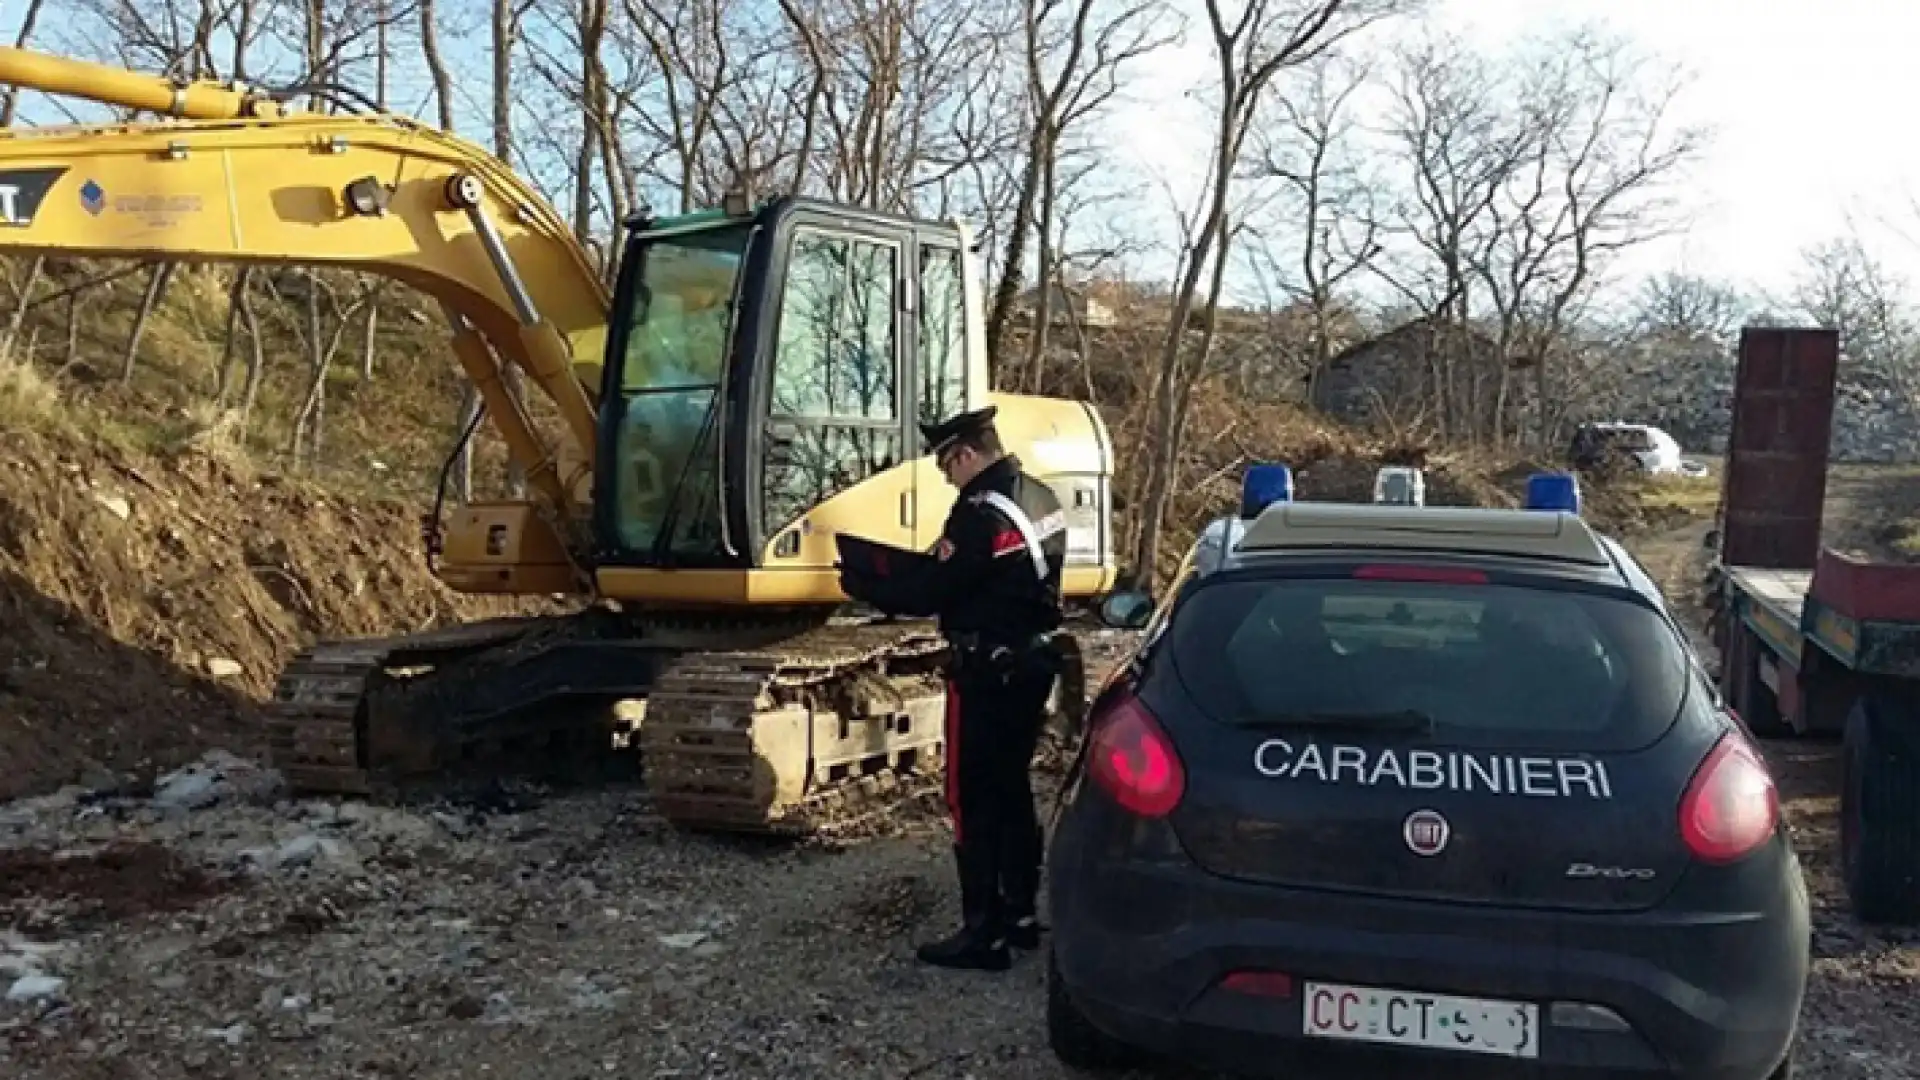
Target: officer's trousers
{"type": "Point", "coordinates": [993, 727]}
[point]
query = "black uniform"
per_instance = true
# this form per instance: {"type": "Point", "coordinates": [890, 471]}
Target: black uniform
{"type": "Point", "coordinates": [995, 586]}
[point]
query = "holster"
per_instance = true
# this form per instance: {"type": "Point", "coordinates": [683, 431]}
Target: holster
{"type": "Point", "coordinates": [978, 656]}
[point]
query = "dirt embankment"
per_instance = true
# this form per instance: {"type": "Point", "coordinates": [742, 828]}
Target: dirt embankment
{"type": "Point", "coordinates": [147, 602]}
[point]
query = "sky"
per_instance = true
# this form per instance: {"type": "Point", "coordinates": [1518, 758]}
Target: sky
{"type": "Point", "coordinates": [1801, 95]}
{"type": "Point", "coordinates": [1803, 98]}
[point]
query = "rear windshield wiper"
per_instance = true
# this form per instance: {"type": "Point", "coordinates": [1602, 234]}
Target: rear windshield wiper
{"type": "Point", "coordinates": [1400, 720]}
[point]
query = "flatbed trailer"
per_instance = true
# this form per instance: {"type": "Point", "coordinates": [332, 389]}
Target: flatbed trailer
{"type": "Point", "coordinates": [1813, 642]}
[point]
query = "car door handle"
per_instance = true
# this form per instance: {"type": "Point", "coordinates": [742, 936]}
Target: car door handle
{"type": "Point", "coordinates": [906, 508]}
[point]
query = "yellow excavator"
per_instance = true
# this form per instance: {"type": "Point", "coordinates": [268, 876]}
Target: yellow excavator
{"type": "Point", "coordinates": [751, 388]}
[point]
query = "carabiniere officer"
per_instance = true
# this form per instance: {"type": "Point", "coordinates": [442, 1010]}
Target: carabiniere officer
{"type": "Point", "coordinates": [994, 583]}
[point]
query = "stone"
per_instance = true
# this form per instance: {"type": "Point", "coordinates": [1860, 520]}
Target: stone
{"type": "Point", "coordinates": [36, 988]}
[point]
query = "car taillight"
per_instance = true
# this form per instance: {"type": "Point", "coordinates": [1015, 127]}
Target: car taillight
{"type": "Point", "coordinates": [1442, 575]}
{"type": "Point", "coordinates": [1132, 759]}
{"type": "Point", "coordinates": [1731, 806]}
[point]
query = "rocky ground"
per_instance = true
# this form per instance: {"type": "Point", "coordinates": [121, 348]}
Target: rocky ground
{"type": "Point", "coordinates": [200, 923]}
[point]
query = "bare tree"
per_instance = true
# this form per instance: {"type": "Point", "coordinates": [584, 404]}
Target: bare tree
{"type": "Point", "coordinates": [592, 63]}
{"type": "Point", "coordinates": [1449, 123]}
{"type": "Point", "coordinates": [1252, 47]}
{"type": "Point", "coordinates": [436, 64]}
{"type": "Point", "coordinates": [9, 106]}
{"type": "Point", "coordinates": [696, 54]}
{"type": "Point", "coordinates": [1599, 147]}
{"type": "Point", "coordinates": [1685, 308]}
{"type": "Point", "coordinates": [1845, 287]}
{"type": "Point", "coordinates": [1330, 201]}
{"type": "Point", "coordinates": [1073, 67]}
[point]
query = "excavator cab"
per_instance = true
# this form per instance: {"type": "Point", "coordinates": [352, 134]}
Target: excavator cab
{"type": "Point", "coordinates": [766, 375]}
{"type": "Point", "coordinates": [761, 368]}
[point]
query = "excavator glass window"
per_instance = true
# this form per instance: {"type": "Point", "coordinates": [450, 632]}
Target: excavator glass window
{"type": "Point", "coordinates": [943, 333]}
{"type": "Point", "coordinates": [834, 417]}
{"type": "Point", "coordinates": [666, 490]}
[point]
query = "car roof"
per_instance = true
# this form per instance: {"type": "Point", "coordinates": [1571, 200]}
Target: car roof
{"type": "Point", "coordinates": [1550, 542]}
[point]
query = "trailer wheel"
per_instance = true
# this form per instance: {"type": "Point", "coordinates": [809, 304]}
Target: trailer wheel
{"type": "Point", "coordinates": [1880, 811]}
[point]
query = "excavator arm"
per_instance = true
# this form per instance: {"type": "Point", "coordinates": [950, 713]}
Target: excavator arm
{"type": "Point", "coordinates": [237, 179]}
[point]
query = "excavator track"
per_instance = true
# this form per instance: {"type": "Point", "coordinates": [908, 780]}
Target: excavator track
{"type": "Point", "coordinates": [806, 735]}
{"type": "Point", "coordinates": [316, 722]}
{"type": "Point", "coordinates": [808, 729]}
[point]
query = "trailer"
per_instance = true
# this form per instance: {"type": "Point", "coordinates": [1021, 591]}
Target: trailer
{"type": "Point", "coordinates": [1814, 643]}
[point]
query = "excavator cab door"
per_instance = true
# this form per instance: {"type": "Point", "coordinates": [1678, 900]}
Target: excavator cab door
{"type": "Point", "coordinates": [659, 492]}
{"type": "Point", "coordinates": [836, 444]}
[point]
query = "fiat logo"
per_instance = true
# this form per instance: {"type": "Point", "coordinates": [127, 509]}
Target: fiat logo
{"type": "Point", "coordinates": [1426, 832]}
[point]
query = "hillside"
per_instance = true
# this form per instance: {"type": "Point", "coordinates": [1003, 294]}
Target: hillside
{"type": "Point", "coordinates": [147, 600]}
{"type": "Point", "coordinates": [161, 555]}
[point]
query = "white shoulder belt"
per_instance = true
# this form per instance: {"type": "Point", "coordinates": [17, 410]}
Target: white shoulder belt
{"type": "Point", "coordinates": [1054, 523]}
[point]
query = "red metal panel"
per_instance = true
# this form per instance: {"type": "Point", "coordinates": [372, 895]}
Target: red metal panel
{"type": "Point", "coordinates": [1776, 472]}
{"type": "Point", "coordinates": [1883, 592]}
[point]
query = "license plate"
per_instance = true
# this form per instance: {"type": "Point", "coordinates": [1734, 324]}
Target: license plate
{"type": "Point", "coordinates": [1434, 1021]}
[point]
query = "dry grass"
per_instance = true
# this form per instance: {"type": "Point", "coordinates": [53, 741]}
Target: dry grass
{"type": "Point", "coordinates": [1698, 496]}
{"type": "Point", "coordinates": [387, 438]}
{"type": "Point", "coordinates": [28, 401]}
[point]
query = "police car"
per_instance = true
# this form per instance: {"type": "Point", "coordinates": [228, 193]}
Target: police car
{"type": "Point", "coordinates": [1441, 791]}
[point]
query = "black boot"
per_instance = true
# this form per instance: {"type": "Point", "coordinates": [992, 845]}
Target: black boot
{"type": "Point", "coordinates": [980, 943]}
{"type": "Point", "coordinates": [1020, 890]}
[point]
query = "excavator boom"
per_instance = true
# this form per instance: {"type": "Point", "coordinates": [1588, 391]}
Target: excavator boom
{"type": "Point", "coordinates": [247, 184]}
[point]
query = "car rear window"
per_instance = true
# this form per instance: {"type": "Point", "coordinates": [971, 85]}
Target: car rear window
{"type": "Point", "coordinates": [1489, 664]}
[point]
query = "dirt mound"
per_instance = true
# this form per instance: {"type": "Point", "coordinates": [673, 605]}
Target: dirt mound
{"type": "Point", "coordinates": [147, 602]}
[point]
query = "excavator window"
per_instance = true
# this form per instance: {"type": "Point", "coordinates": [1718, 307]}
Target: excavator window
{"type": "Point", "coordinates": [834, 418]}
{"type": "Point", "coordinates": [943, 333]}
{"type": "Point", "coordinates": [680, 318]}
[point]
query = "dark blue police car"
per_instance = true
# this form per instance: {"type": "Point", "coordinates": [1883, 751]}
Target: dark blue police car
{"type": "Point", "coordinates": [1439, 791]}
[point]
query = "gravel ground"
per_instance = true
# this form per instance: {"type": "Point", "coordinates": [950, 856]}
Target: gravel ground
{"type": "Point", "coordinates": [209, 927]}
{"type": "Point", "coordinates": [577, 937]}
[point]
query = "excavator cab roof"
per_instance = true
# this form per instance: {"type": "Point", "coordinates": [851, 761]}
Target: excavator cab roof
{"type": "Point", "coordinates": [644, 221]}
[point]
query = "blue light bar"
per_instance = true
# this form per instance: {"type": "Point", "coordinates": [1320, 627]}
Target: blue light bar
{"type": "Point", "coordinates": [1553, 491]}
{"type": "Point", "coordinates": [1262, 486]}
